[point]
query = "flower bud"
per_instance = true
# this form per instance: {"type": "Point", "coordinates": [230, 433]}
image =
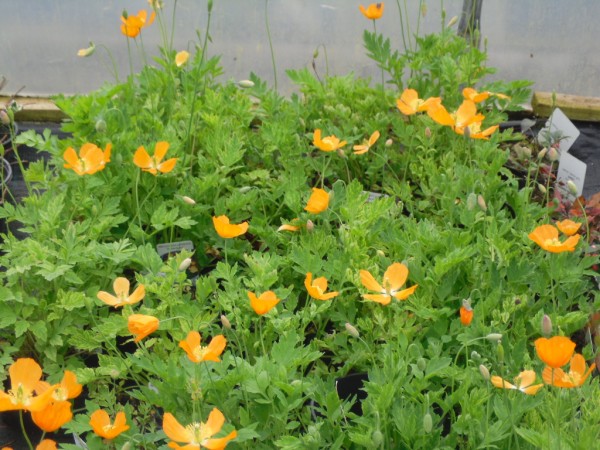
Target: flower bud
{"type": "Point", "coordinates": [377, 438]}
{"type": "Point", "coordinates": [475, 356]}
{"type": "Point", "coordinates": [126, 446]}
{"type": "Point", "coordinates": [310, 226]}
{"type": "Point", "coordinates": [427, 423]}
{"type": "Point", "coordinates": [494, 337]}
{"type": "Point", "coordinates": [209, 5]}
{"type": "Point", "coordinates": [452, 21]}
{"type": "Point", "coordinates": [428, 132]}
{"type": "Point", "coordinates": [572, 187]}
{"type": "Point", "coordinates": [542, 188]}
{"type": "Point", "coordinates": [471, 201]}
{"type": "Point", "coordinates": [188, 200]}
{"type": "Point", "coordinates": [389, 143]}
{"type": "Point", "coordinates": [467, 132]}
{"type": "Point", "coordinates": [481, 203]}
{"type": "Point", "coordinates": [225, 322]}
{"type": "Point", "coordinates": [351, 330]}
{"type": "Point", "coordinates": [185, 264]}
{"type": "Point", "coordinates": [101, 126]}
{"type": "Point", "coordinates": [85, 52]}
{"type": "Point", "coordinates": [546, 325]}
{"type": "Point", "coordinates": [246, 84]}
{"type": "Point", "coordinates": [422, 364]}
{"type": "Point", "coordinates": [542, 152]}
{"type": "Point", "coordinates": [245, 189]}
{"type": "Point", "coordinates": [500, 351]}
{"type": "Point", "coordinates": [341, 153]}
{"type": "Point", "coordinates": [380, 253]}
{"type": "Point", "coordinates": [553, 154]}
{"type": "Point", "coordinates": [4, 117]}
{"type": "Point", "coordinates": [485, 373]}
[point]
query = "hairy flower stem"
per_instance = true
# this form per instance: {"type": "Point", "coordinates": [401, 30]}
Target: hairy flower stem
{"type": "Point", "coordinates": [29, 444]}
{"type": "Point", "coordinates": [270, 43]}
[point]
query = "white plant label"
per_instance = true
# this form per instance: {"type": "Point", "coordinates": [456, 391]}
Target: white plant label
{"type": "Point", "coordinates": [174, 247]}
{"type": "Point", "coordinates": [570, 169]}
{"type": "Point", "coordinates": [558, 129]}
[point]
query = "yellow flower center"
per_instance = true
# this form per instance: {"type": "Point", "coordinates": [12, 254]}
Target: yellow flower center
{"type": "Point", "coordinates": [572, 377]}
{"type": "Point", "coordinates": [20, 396]}
{"type": "Point", "coordinates": [199, 433]}
{"type": "Point", "coordinates": [552, 242]}
{"type": "Point", "coordinates": [200, 352]}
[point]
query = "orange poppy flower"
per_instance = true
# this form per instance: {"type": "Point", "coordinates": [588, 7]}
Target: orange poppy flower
{"type": "Point", "coordinates": [153, 164]}
{"type": "Point", "coordinates": [91, 159]}
{"type": "Point", "coordinates": [568, 227]}
{"type": "Point", "coordinates": [197, 435]}
{"type": "Point", "coordinates": [228, 230]}
{"type": "Point", "coordinates": [318, 201]}
{"type": "Point", "coordinates": [556, 351]}
{"type": "Point", "coordinates": [374, 11]}
{"type": "Point", "coordinates": [523, 382]}
{"type": "Point", "coordinates": [67, 389]}
{"type": "Point", "coordinates": [546, 236]}
{"type": "Point", "coordinates": [25, 374]}
{"type": "Point", "coordinates": [121, 287]}
{"type": "Point", "coordinates": [471, 94]}
{"type": "Point", "coordinates": [364, 148]}
{"type": "Point", "coordinates": [53, 416]}
{"type": "Point", "coordinates": [294, 226]}
{"type": "Point", "coordinates": [263, 303]}
{"type": "Point", "coordinates": [409, 102]}
{"type": "Point", "coordinates": [475, 131]}
{"type": "Point", "coordinates": [46, 444]}
{"type": "Point", "coordinates": [328, 143]}
{"type": "Point", "coordinates": [141, 325]}
{"type": "Point", "coordinates": [132, 25]}
{"type": "Point", "coordinates": [466, 315]}
{"type": "Point", "coordinates": [181, 58]}
{"type": "Point", "coordinates": [575, 378]}
{"type": "Point", "coordinates": [316, 288]}
{"type": "Point", "coordinates": [102, 426]}
{"type": "Point", "coordinates": [196, 353]}
{"type": "Point", "coordinates": [465, 115]}
{"type": "Point", "coordinates": [393, 279]}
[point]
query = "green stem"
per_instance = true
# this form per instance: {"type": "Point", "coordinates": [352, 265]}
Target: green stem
{"type": "Point", "coordinates": [23, 430]}
{"type": "Point", "coordinates": [270, 43]}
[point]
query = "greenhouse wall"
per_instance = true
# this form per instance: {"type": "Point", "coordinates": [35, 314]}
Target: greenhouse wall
{"type": "Point", "coordinates": [550, 42]}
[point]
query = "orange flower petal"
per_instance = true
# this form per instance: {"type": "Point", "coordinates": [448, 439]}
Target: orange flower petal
{"type": "Point", "coordinates": [556, 351]}
{"type": "Point", "coordinates": [318, 201]}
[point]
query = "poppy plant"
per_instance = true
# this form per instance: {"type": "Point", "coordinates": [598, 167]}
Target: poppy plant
{"type": "Point", "coordinates": [91, 159]}
{"type": "Point", "coordinates": [103, 427]}
{"type": "Point", "coordinates": [364, 148]}
{"type": "Point", "coordinates": [132, 25]}
{"type": "Point", "coordinates": [575, 378]}
{"type": "Point", "coordinates": [374, 11]}
{"type": "Point", "coordinates": [318, 201]}
{"type": "Point", "coordinates": [393, 279]}
{"type": "Point", "coordinates": [556, 351]}
{"type": "Point", "coordinates": [53, 416]}
{"type": "Point", "coordinates": [121, 287]}
{"type": "Point", "coordinates": [523, 382]}
{"type": "Point", "coordinates": [465, 115]}
{"type": "Point", "coordinates": [25, 374]}
{"type": "Point", "coordinates": [197, 353]}
{"type": "Point", "coordinates": [197, 435]}
{"type": "Point", "coordinates": [264, 303]}
{"type": "Point", "coordinates": [409, 102]}
{"type": "Point", "coordinates": [546, 236]}
{"type": "Point", "coordinates": [328, 143]}
{"type": "Point", "coordinates": [141, 325]}
{"type": "Point", "coordinates": [317, 288]}
{"type": "Point", "coordinates": [181, 58]}
{"type": "Point", "coordinates": [568, 227]}
{"type": "Point", "coordinates": [154, 164]}
{"type": "Point", "coordinates": [228, 230]}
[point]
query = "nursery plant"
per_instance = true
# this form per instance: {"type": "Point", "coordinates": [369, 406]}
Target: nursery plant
{"type": "Point", "coordinates": [213, 262]}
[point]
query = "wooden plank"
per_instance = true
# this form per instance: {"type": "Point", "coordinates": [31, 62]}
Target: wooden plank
{"type": "Point", "coordinates": [575, 107]}
{"type": "Point", "coordinates": [35, 109]}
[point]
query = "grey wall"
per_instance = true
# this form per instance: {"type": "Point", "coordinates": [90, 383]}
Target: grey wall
{"type": "Point", "coordinates": [551, 42]}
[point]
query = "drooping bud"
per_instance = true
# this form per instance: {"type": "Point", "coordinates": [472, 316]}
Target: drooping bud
{"type": "Point", "coordinates": [389, 143]}
{"type": "Point", "coordinates": [4, 117]}
{"type": "Point", "coordinates": [428, 132]}
{"type": "Point", "coordinates": [542, 188]}
{"type": "Point", "coordinates": [188, 200]}
{"type": "Point", "coordinates": [427, 423]}
{"type": "Point", "coordinates": [85, 52]}
{"type": "Point", "coordinates": [100, 125]}
{"type": "Point", "coordinates": [553, 154]}
{"type": "Point", "coordinates": [485, 373]}
{"type": "Point", "coordinates": [494, 337]}
{"type": "Point", "coordinates": [185, 264]}
{"type": "Point", "coordinates": [542, 152]}
{"type": "Point", "coordinates": [481, 203]}
{"type": "Point", "coordinates": [572, 187]}
{"type": "Point", "coordinates": [471, 201]}
{"type": "Point", "coordinates": [475, 356]}
{"type": "Point", "coordinates": [546, 325]}
{"type": "Point", "coordinates": [341, 153]}
{"type": "Point", "coordinates": [310, 226]}
{"type": "Point", "coordinates": [351, 330]}
{"type": "Point", "coordinates": [500, 351]}
{"type": "Point", "coordinates": [452, 21]}
{"type": "Point", "coordinates": [246, 84]}
{"type": "Point", "coordinates": [377, 438]}
{"type": "Point", "coordinates": [225, 322]}
{"type": "Point", "coordinates": [422, 364]}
